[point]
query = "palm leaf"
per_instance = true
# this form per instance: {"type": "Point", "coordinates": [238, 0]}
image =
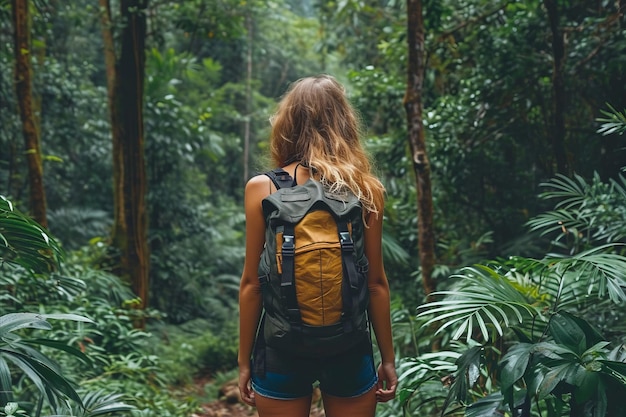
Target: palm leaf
{"type": "Point", "coordinates": [15, 321]}
{"type": "Point", "coordinates": [24, 242]}
{"type": "Point", "coordinates": [483, 298]}
{"type": "Point", "coordinates": [571, 191]}
{"type": "Point", "coordinates": [47, 379]}
{"type": "Point", "coordinates": [41, 370]}
{"type": "Point", "coordinates": [99, 403]}
{"type": "Point", "coordinates": [612, 122]}
{"type": "Point", "coordinates": [420, 378]}
{"type": "Point", "coordinates": [559, 221]}
{"type": "Point", "coordinates": [602, 271]}
{"type": "Point", "coordinates": [590, 212]}
{"type": "Point", "coordinates": [393, 251]}
{"type": "Point", "coordinates": [55, 344]}
{"type": "Point", "coordinates": [6, 389]}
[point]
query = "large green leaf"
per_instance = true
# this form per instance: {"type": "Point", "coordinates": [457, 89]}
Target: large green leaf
{"type": "Point", "coordinates": [592, 336]}
{"type": "Point", "coordinates": [468, 371]}
{"type": "Point", "coordinates": [43, 375]}
{"type": "Point", "coordinates": [14, 321]}
{"type": "Point", "coordinates": [26, 243]}
{"type": "Point", "coordinates": [555, 374]}
{"type": "Point", "coordinates": [566, 331]}
{"type": "Point", "coordinates": [60, 346]}
{"type": "Point", "coordinates": [587, 384]}
{"type": "Point", "coordinates": [489, 406]}
{"type": "Point", "coordinates": [514, 364]}
{"type": "Point", "coordinates": [6, 388]}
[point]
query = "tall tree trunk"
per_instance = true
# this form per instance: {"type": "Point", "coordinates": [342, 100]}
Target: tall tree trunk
{"type": "Point", "coordinates": [109, 53]}
{"type": "Point", "coordinates": [421, 165]}
{"type": "Point", "coordinates": [125, 78]}
{"type": "Point", "coordinates": [558, 89]}
{"type": "Point", "coordinates": [24, 93]}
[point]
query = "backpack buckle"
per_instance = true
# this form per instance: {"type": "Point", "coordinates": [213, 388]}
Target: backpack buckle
{"type": "Point", "coordinates": [346, 241]}
{"type": "Point", "coordinates": [288, 247]}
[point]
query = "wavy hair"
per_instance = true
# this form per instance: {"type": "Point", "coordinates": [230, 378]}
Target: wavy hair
{"type": "Point", "coordinates": [316, 125]}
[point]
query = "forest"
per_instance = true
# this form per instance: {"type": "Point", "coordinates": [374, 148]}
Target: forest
{"type": "Point", "coordinates": [129, 129]}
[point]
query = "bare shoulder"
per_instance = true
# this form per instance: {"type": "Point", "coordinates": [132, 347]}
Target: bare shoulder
{"type": "Point", "coordinates": [258, 187]}
{"type": "Point", "coordinates": [374, 219]}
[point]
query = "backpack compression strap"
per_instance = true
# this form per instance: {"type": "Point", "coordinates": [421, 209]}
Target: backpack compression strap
{"type": "Point", "coordinates": [349, 284]}
{"type": "Point", "coordinates": [350, 276]}
{"type": "Point", "coordinates": [287, 286]}
{"type": "Point", "coordinates": [282, 179]}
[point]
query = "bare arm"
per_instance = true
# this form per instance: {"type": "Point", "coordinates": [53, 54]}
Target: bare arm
{"type": "Point", "coordinates": [379, 309]}
{"type": "Point", "coordinates": [250, 302]}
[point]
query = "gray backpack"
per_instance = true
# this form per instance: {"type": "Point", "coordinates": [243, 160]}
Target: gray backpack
{"type": "Point", "coordinates": [313, 271]}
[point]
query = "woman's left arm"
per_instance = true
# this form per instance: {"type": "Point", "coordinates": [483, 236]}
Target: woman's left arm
{"type": "Point", "coordinates": [380, 310]}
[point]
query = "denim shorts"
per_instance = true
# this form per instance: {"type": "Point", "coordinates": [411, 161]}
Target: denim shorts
{"type": "Point", "coordinates": [287, 377]}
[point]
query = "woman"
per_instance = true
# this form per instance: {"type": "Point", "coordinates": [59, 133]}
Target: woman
{"type": "Point", "coordinates": [315, 134]}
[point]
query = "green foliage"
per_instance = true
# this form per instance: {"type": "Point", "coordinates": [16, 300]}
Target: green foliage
{"type": "Point", "coordinates": [97, 403]}
{"type": "Point", "coordinates": [44, 373]}
{"type": "Point", "coordinates": [22, 355]}
{"type": "Point", "coordinates": [195, 349]}
{"type": "Point", "coordinates": [576, 363]}
{"type": "Point", "coordinates": [112, 352]}
{"type": "Point", "coordinates": [195, 276]}
{"type": "Point", "coordinates": [24, 242]}
{"type": "Point", "coordinates": [612, 122]}
{"type": "Point", "coordinates": [587, 213]}
{"type": "Point", "coordinates": [76, 226]}
{"type": "Point", "coordinates": [488, 120]}
{"type": "Point", "coordinates": [558, 354]}
{"type": "Point", "coordinates": [531, 325]}
{"type": "Point", "coordinates": [119, 358]}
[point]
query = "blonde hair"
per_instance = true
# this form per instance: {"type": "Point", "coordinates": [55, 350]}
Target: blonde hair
{"type": "Point", "coordinates": [316, 126]}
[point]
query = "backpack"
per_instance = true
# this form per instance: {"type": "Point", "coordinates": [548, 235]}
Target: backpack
{"type": "Point", "coordinates": [312, 271]}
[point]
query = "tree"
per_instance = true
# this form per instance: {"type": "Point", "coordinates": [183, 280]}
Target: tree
{"type": "Point", "coordinates": [539, 328]}
{"type": "Point", "coordinates": [421, 166]}
{"type": "Point", "coordinates": [23, 90]}
{"type": "Point", "coordinates": [125, 84]}
{"type": "Point", "coordinates": [558, 88]}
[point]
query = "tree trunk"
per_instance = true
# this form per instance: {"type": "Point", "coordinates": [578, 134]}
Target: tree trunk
{"type": "Point", "coordinates": [558, 89]}
{"type": "Point", "coordinates": [125, 78]}
{"type": "Point", "coordinates": [109, 52]}
{"type": "Point", "coordinates": [421, 165]}
{"type": "Point", "coordinates": [23, 90]}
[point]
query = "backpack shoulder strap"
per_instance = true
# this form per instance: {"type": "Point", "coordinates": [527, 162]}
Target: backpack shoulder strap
{"type": "Point", "coordinates": [280, 178]}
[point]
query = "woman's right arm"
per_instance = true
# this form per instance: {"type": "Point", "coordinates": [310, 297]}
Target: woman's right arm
{"type": "Point", "coordinates": [250, 302]}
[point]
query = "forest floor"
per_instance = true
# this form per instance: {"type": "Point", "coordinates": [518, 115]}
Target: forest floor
{"type": "Point", "coordinates": [229, 404]}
